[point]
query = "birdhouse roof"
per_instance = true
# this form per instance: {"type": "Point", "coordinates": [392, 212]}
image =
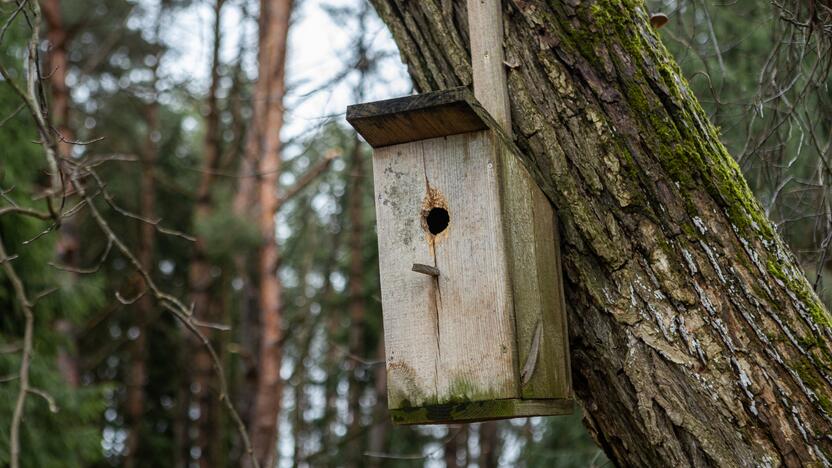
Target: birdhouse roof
{"type": "Point", "coordinates": [419, 117]}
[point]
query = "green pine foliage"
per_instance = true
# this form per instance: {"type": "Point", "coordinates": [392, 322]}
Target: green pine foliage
{"type": "Point", "coordinates": [76, 413]}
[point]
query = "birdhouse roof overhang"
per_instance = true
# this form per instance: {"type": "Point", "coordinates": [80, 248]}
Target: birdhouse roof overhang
{"type": "Point", "coordinates": [420, 117]}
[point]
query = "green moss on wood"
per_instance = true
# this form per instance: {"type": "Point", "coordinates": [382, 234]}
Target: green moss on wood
{"type": "Point", "coordinates": [805, 370]}
{"type": "Point", "coordinates": [481, 411]}
{"type": "Point", "coordinates": [797, 284]}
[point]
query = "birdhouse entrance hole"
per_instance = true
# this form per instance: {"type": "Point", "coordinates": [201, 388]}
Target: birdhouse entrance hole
{"type": "Point", "coordinates": [437, 220]}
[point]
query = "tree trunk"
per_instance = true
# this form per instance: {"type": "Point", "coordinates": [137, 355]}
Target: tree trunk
{"type": "Point", "coordinates": [381, 422]}
{"type": "Point", "coordinates": [451, 450]}
{"type": "Point", "coordinates": [357, 305]}
{"type": "Point", "coordinates": [242, 206]}
{"type": "Point", "coordinates": [200, 274]}
{"type": "Point", "coordinates": [267, 123]}
{"type": "Point", "coordinates": [696, 339]}
{"type": "Point", "coordinates": [489, 445]}
{"type": "Point", "coordinates": [137, 373]}
{"type": "Point", "coordinates": [68, 246]}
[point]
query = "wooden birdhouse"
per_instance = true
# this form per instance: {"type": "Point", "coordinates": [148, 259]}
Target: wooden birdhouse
{"type": "Point", "coordinates": [471, 290]}
{"type": "Point", "coordinates": [474, 323]}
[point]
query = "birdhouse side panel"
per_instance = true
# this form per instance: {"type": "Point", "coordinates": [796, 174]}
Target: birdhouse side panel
{"type": "Point", "coordinates": [476, 322]}
{"type": "Point", "coordinates": [540, 321]}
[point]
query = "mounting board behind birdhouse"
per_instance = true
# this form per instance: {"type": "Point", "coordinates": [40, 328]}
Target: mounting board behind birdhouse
{"type": "Point", "coordinates": [478, 330]}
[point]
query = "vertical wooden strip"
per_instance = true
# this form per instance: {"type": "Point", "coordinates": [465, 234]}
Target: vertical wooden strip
{"type": "Point", "coordinates": [476, 342]}
{"type": "Point", "coordinates": [555, 343]}
{"type": "Point", "coordinates": [535, 278]}
{"type": "Point", "coordinates": [485, 24]}
{"type": "Point", "coordinates": [410, 326]}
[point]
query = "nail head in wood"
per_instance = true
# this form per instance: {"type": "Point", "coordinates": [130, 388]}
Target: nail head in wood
{"type": "Point", "coordinates": [425, 269]}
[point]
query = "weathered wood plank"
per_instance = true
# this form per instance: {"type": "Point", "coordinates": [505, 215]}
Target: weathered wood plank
{"type": "Point", "coordinates": [477, 343]}
{"type": "Point", "coordinates": [485, 28]}
{"type": "Point", "coordinates": [482, 411]}
{"type": "Point", "coordinates": [419, 117]}
{"type": "Point", "coordinates": [448, 338]}
{"type": "Point", "coordinates": [409, 329]}
{"type": "Point", "coordinates": [555, 344]}
{"type": "Point", "coordinates": [535, 278]}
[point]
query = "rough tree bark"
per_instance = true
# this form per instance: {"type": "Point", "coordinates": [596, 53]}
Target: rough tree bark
{"type": "Point", "coordinates": [201, 278]}
{"type": "Point", "coordinates": [695, 337]}
{"type": "Point", "coordinates": [267, 122]}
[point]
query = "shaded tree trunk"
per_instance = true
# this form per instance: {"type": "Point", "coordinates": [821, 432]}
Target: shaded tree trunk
{"type": "Point", "coordinates": [357, 303]}
{"type": "Point", "coordinates": [381, 428]}
{"type": "Point", "coordinates": [135, 400]}
{"type": "Point", "coordinates": [696, 339]}
{"type": "Point", "coordinates": [201, 278]}
{"type": "Point", "coordinates": [68, 247]}
{"type": "Point", "coordinates": [242, 207]}
{"type": "Point", "coordinates": [452, 447]}
{"type": "Point", "coordinates": [137, 372]}
{"type": "Point", "coordinates": [267, 123]}
{"type": "Point", "coordinates": [489, 445]}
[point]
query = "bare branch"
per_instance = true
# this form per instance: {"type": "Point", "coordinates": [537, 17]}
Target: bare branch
{"type": "Point", "coordinates": [132, 300]}
{"type": "Point", "coordinates": [87, 271]}
{"type": "Point", "coordinates": [25, 212]}
{"type": "Point", "coordinates": [26, 358]}
{"type": "Point", "coordinates": [308, 177]}
{"type": "Point", "coordinates": [53, 406]}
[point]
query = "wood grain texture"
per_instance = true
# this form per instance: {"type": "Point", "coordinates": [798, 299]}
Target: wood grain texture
{"type": "Point", "coordinates": [419, 117]}
{"type": "Point", "coordinates": [451, 338]}
{"type": "Point", "coordinates": [485, 28]}
{"type": "Point", "coordinates": [482, 411]}
{"type": "Point", "coordinates": [410, 338]}
{"type": "Point", "coordinates": [534, 260]}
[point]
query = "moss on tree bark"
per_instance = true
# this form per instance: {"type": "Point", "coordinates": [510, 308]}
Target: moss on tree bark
{"type": "Point", "coordinates": [696, 339]}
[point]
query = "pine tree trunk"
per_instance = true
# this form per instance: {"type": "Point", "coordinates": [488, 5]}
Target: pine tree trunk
{"type": "Point", "coordinates": [357, 306]}
{"type": "Point", "coordinates": [489, 445]}
{"type": "Point", "coordinates": [696, 339]}
{"type": "Point", "coordinates": [268, 121]}
{"type": "Point", "coordinates": [452, 447]}
{"type": "Point", "coordinates": [381, 422]}
{"type": "Point", "coordinates": [137, 373]}
{"type": "Point", "coordinates": [201, 279]}
{"type": "Point", "coordinates": [68, 247]}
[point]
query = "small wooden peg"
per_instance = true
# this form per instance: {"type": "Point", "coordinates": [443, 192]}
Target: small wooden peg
{"type": "Point", "coordinates": [425, 269]}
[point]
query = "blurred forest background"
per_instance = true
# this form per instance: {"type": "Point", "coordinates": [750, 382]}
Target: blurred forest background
{"type": "Point", "coordinates": [187, 234]}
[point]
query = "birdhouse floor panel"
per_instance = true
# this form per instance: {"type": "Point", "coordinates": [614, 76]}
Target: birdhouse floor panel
{"type": "Point", "coordinates": [482, 411]}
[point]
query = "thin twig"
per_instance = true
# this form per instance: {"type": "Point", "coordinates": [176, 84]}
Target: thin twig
{"type": "Point", "coordinates": [26, 358]}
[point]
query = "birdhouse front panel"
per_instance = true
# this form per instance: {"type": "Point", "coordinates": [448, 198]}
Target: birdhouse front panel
{"type": "Point", "coordinates": [473, 312]}
{"type": "Point", "coordinates": [449, 338]}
